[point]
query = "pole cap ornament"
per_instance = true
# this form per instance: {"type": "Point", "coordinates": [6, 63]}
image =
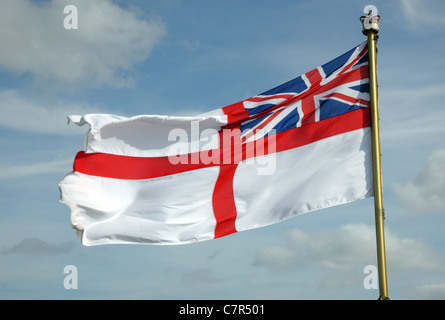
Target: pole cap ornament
{"type": "Point", "coordinates": [371, 21]}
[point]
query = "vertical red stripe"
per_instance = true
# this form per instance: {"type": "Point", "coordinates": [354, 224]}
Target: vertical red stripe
{"type": "Point", "coordinates": [308, 108]}
{"type": "Point", "coordinates": [236, 113]}
{"type": "Point", "coordinates": [308, 103]}
{"type": "Point", "coordinates": [223, 201]}
{"type": "Point", "coordinates": [314, 77]}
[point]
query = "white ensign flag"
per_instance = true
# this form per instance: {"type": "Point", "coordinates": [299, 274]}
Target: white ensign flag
{"type": "Point", "coordinates": [302, 146]}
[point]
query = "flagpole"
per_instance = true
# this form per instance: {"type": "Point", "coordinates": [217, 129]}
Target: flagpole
{"type": "Point", "coordinates": [371, 29]}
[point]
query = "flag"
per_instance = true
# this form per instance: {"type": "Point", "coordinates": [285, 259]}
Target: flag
{"type": "Point", "coordinates": [154, 179]}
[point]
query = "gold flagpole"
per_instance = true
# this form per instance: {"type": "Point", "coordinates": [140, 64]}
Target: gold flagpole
{"type": "Point", "coordinates": [371, 29]}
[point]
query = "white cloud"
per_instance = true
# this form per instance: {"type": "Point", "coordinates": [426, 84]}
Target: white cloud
{"type": "Point", "coordinates": [423, 12]}
{"type": "Point", "coordinates": [350, 246]}
{"type": "Point", "coordinates": [36, 246]}
{"type": "Point", "coordinates": [427, 190]}
{"type": "Point", "coordinates": [201, 276]}
{"type": "Point", "coordinates": [276, 258]}
{"type": "Point", "coordinates": [429, 292]}
{"type": "Point", "coordinates": [15, 171]}
{"type": "Point", "coordinates": [25, 114]}
{"type": "Point", "coordinates": [109, 41]}
{"type": "Point", "coordinates": [339, 249]}
{"type": "Point", "coordinates": [403, 121]}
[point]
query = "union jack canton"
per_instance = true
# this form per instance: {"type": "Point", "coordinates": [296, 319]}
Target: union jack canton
{"type": "Point", "coordinates": [335, 88]}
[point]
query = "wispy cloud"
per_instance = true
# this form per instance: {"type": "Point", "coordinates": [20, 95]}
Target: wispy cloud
{"type": "Point", "coordinates": [350, 246]}
{"type": "Point", "coordinates": [412, 114]}
{"type": "Point", "coordinates": [9, 171]}
{"type": "Point", "coordinates": [426, 191]}
{"type": "Point", "coordinates": [25, 114]}
{"type": "Point", "coordinates": [109, 41]}
{"type": "Point", "coordinates": [423, 12]}
{"type": "Point", "coordinates": [36, 246]}
{"type": "Point", "coordinates": [201, 276]}
{"type": "Point", "coordinates": [434, 291]}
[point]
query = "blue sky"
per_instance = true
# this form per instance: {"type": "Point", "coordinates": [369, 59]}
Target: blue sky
{"type": "Point", "coordinates": [188, 57]}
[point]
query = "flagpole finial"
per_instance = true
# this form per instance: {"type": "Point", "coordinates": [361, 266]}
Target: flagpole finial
{"type": "Point", "coordinates": [371, 21]}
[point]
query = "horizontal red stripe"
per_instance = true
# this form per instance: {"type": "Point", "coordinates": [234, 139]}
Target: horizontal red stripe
{"type": "Point", "coordinates": [320, 130]}
{"type": "Point", "coordinates": [132, 168]}
{"type": "Point", "coordinates": [136, 168]}
{"type": "Point", "coordinates": [349, 99]}
{"type": "Point", "coordinates": [265, 98]}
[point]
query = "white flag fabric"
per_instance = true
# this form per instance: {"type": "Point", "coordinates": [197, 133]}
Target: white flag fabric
{"type": "Point", "coordinates": [302, 146]}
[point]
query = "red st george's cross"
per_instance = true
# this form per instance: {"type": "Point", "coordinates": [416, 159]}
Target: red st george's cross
{"type": "Point", "coordinates": [327, 101]}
